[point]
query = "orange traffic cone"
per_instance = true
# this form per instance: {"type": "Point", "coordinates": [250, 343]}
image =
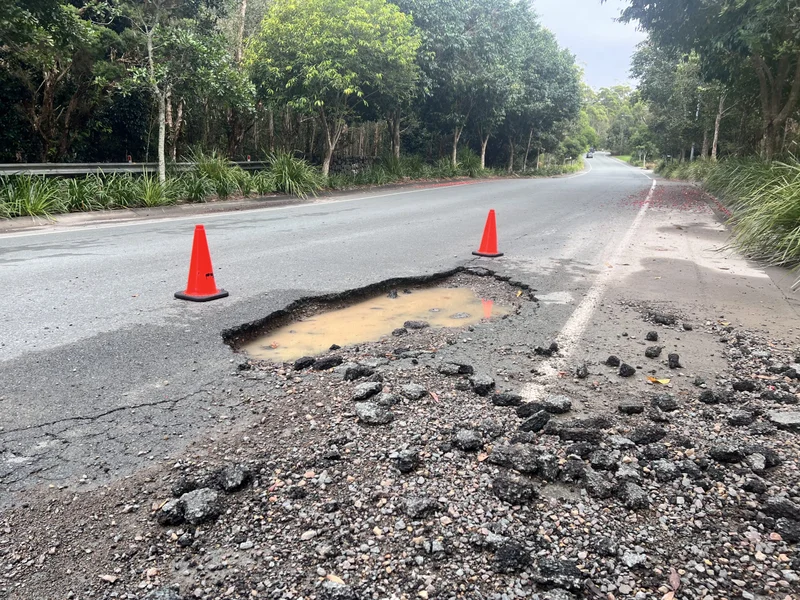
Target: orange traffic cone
{"type": "Point", "coordinates": [489, 242]}
{"type": "Point", "coordinates": [201, 286]}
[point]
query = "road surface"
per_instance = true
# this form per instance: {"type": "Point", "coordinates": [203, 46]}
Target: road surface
{"type": "Point", "coordinates": [102, 369]}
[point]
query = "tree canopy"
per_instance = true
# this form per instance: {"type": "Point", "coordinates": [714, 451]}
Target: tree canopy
{"type": "Point", "coordinates": [102, 80]}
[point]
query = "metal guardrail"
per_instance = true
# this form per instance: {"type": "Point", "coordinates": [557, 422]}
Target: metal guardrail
{"type": "Point", "coordinates": [105, 168]}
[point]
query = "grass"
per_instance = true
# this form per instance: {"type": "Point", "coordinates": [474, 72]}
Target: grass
{"type": "Point", "coordinates": [212, 176]}
{"type": "Point", "coordinates": [624, 157]}
{"type": "Point", "coordinates": [31, 196]}
{"type": "Point", "coordinates": [292, 175]}
{"type": "Point", "coordinates": [764, 199]}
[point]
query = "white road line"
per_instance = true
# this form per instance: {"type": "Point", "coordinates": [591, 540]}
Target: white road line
{"type": "Point", "coordinates": [573, 329]}
{"type": "Point", "coordinates": [581, 174]}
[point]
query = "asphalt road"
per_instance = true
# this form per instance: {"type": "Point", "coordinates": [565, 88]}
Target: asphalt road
{"type": "Point", "coordinates": [102, 369]}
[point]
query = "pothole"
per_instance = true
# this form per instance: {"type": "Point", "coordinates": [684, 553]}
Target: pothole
{"type": "Point", "coordinates": [312, 326]}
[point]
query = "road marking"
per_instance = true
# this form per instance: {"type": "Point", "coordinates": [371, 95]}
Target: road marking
{"type": "Point", "coordinates": [573, 329]}
{"type": "Point", "coordinates": [582, 173]}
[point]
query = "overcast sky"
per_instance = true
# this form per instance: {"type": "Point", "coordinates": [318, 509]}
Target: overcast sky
{"type": "Point", "coordinates": [602, 46]}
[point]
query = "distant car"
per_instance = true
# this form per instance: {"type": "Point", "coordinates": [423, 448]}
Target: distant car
{"type": "Point", "coordinates": [590, 155]}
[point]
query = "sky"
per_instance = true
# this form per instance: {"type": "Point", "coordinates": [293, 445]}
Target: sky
{"type": "Point", "coordinates": [602, 46]}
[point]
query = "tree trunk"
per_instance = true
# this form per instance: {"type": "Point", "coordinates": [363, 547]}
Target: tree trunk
{"type": "Point", "coordinates": [538, 157]}
{"type": "Point", "coordinates": [240, 32]}
{"type": "Point", "coordinates": [161, 97]}
{"type": "Point", "coordinates": [377, 141]}
{"type": "Point", "coordinates": [393, 122]}
{"type": "Point", "coordinates": [162, 131]}
{"type": "Point", "coordinates": [271, 125]}
{"type": "Point", "coordinates": [510, 155]}
{"type": "Point", "coordinates": [527, 151]}
{"type": "Point", "coordinates": [704, 147]}
{"type": "Point", "coordinates": [484, 143]}
{"type": "Point", "coordinates": [776, 110]}
{"type": "Point", "coordinates": [717, 122]}
{"type": "Point", "coordinates": [456, 136]}
{"type": "Point", "coordinates": [333, 131]}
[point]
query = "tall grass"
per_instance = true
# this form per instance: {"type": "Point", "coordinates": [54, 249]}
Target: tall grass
{"type": "Point", "coordinates": [30, 196]}
{"type": "Point", "coordinates": [292, 175]}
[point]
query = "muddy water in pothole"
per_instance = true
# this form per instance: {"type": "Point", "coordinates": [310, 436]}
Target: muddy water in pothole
{"type": "Point", "coordinates": [370, 320]}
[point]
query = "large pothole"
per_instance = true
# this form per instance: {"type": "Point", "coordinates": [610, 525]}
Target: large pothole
{"type": "Point", "coordinates": [311, 326]}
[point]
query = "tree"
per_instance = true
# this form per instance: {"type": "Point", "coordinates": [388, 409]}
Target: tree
{"type": "Point", "coordinates": [551, 93]}
{"type": "Point", "coordinates": [327, 57]}
{"type": "Point", "coordinates": [765, 34]}
{"type": "Point", "coordinates": [62, 63]}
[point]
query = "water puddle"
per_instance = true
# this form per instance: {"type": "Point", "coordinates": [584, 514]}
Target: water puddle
{"type": "Point", "coordinates": [370, 320]}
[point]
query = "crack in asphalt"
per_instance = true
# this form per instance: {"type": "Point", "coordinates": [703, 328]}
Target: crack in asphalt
{"type": "Point", "coordinates": [112, 411]}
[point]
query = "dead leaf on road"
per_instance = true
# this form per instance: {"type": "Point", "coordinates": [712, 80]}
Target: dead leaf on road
{"type": "Point", "coordinates": [334, 578]}
{"type": "Point", "coordinates": [674, 579]}
{"type": "Point", "coordinates": [668, 596]}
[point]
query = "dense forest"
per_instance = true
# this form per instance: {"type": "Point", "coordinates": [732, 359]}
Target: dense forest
{"type": "Point", "coordinates": [104, 80]}
{"type": "Point", "coordinates": [715, 78]}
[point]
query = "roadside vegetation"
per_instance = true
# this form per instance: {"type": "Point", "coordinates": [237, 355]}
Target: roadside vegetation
{"type": "Point", "coordinates": [478, 85]}
{"type": "Point", "coordinates": [213, 178]}
{"type": "Point", "coordinates": [763, 197]}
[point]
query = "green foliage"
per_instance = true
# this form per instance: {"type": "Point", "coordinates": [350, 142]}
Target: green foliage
{"type": "Point", "coordinates": [243, 181]}
{"type": "Point", "coordinates": [196, 187]}
{"type": "Point", "coordinates": [292, 175]}
{"type": "Point", "coordinates": [31, 196]}
{"type": "Point", "coordinates": [264, 183]}
{"type": "Point", "coordinates": [151, 192]}
{"type": "Point", "coordinates": [444, 169]}
{"type": "Point", "coordinates": [470, 163]}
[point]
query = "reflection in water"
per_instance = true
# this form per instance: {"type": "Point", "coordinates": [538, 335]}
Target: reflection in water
{"type": "Point", "coordinates": [370, 320]}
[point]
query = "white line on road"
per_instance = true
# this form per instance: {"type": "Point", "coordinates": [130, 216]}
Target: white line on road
{"type": "Point", "coordinates": [573, 329]}
{"type": "Point", "coordinates": [582, 173]}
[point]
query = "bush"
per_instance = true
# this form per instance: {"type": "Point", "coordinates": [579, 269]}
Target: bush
{"type": "Point", "coordinates": [469, 163]}
{"type": "Point", "coordinates": [31, 196]}
{"type": "Point", "coordinates": [242, 180]}
{"type": "Point", "coordinates": [444, 169]}
{"type": "Point", "coordinates": [263, 183]}
{"type": "Point", "coordinates": [196, 187]}
{"type": "Point", "coordinates": [292, 175]}
{"type": "Point", "coordinates": [151, 192]}
{"type": "Point", "coordinates": [119, 191]}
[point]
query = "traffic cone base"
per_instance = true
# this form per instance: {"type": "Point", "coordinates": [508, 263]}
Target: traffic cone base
{"type": "Point", "coordinates": [201, 286]}
{"type": "Point", "coordinates": [184, 296]}
{"type": "Point", "coordinates": [489, 241]}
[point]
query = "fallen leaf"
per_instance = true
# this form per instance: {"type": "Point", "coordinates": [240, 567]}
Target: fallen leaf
{"type": "Point", "coordinates": [334, 578]}
{"type": "Point", "coordinates": [109, 578]}
{"type": "Point", "coordinates": [434, 396]}
{"type": "Point", "coordinates": [674, 579]}
{"type": "Point", "coordinates": [519, 293]}
{"type": "Point", "coordinates": [661, 381]}
{"type": "Point", "coordinates": [668, 596]}
{"type": "Point", "coordinates": [482, 456]}
{"type": "Point", "coordinates": [274, 345]}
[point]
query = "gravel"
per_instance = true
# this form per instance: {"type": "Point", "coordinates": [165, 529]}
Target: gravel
{"type": "Point", "coordinates": [426, 489]}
